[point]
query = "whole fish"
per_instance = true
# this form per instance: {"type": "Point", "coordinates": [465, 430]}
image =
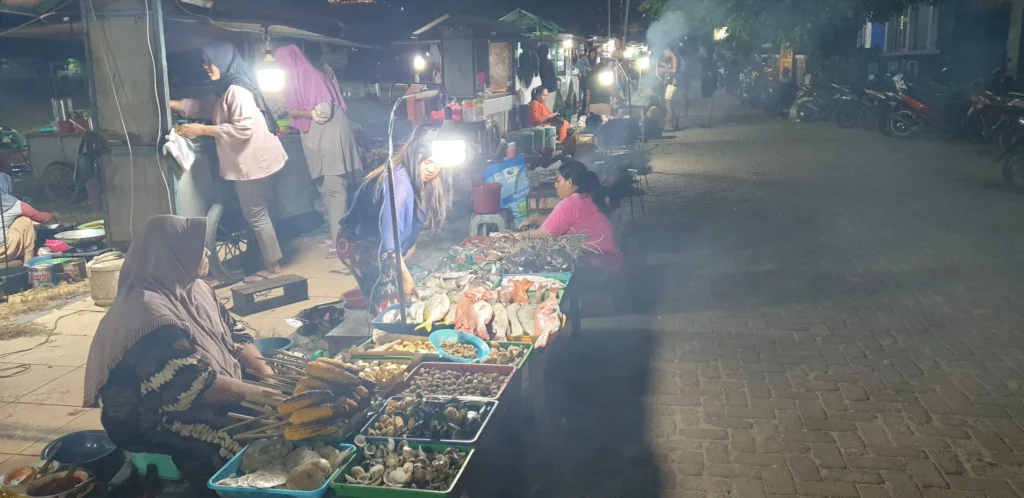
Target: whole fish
{"type": "Point", "coordinates": [549, 319]}
{"type": "Point", "coordinates": [526, 314]}
{"type": "Point", "coordinates": [415, 314]}
{"type": "Point", "coordinates": [481, 314]}
{"type": "Point", "coordinates": [435, 308]}
{"type": "Point", "coordinates": [449, 317]}
{"type": "Point", "coordinates": [515, 328]}
{"type": "Point", "coordinates": [462, 319]}
{"type": "Point", "coordinates": [519, 288]}
{"type": "Point", "coordinates": [501, 323]}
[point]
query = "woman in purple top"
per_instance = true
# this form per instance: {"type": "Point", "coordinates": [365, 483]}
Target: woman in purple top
{"type": "Point", "coordinates": [423, 194]}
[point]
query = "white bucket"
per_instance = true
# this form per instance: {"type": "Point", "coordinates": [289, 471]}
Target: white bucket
{"type": "Point", "coordinates": [104, 272]}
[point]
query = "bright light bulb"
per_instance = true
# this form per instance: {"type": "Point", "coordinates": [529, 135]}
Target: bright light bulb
{"type": "Point", "coordinates": [643, 63]}
{"type": "Point", "coordinates": [270, 79]}
{"type": "Point", "coordinates": [567, 43]}
{"type": "Point", "coordinates": [628, 52]}
{"type": "Point", "coordinates": [419, 63]}
{"type": "Point", "coordinates": [448, 153]}
{"type": "Point", "coordinates": [610, 46]}
{"type": "Point", "coordinates": [606, 77]}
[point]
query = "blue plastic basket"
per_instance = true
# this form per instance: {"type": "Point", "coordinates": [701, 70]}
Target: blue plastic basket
{"type": "Point", "coordinates": [483, 350]}
{"type": "Point", "coordinates": [233, 465]}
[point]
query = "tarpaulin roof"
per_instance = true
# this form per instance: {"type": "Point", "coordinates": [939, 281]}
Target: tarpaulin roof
{"type": "Point", "coordinates": [532, 23]}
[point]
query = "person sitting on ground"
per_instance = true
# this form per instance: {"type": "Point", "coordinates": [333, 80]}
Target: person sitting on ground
{"type": "Point", "coordinates": [581, 210]}
{"type": "Point", "coordinates": [18, 240]}
{"type": "Point", "coordinates": [540, 113]}
{"type": "Point", "coordinates": [167, 359]}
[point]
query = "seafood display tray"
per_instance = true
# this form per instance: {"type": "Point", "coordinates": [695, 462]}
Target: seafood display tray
{"type": "Point", "coordinates": [563, 277]}
{"type": "Point", "coordinates": [341, 487]}
{"type": "Point", "coordinates": [490, 403]}
{"type": "Point", "coordinates": [233, 466]}
{"type": "Point", "coordinates": [507, 370]}
{"type": "Point", "coordinates": [526, 356]}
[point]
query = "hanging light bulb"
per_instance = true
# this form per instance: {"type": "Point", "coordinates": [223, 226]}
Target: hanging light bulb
{"type": "Point", "coordinates": [567, 43]}
{"type": "Point", "coordinates": [419, 63]}
{"type": "Point", "coordinates": [606, 77]}
{"type": "Point", "coordinates": [269, 74]}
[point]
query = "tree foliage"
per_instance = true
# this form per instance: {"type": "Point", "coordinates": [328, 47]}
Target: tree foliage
{"type": "Point", "coordinates": [809, 25]}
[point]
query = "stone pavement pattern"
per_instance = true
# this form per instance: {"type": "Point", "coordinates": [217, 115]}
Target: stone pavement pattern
{"type": "Point", "coordinates": [833, 313]}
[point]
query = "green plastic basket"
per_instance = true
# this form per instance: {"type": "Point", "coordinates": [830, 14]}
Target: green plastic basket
{"type": "Point", "coordinates": [341, 487]}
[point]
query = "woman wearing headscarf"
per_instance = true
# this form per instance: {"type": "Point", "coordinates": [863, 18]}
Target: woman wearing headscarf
{"type": "Point", "coordinates": [247, 149]}
{"type": "Point", "coordinates": [166, 361]}
{"type": "Point", "coordinates": [18, 237]}
{"type": "Point", "coordinates": [317, 110]}
{"type": "Point", "coordinates": [423, 195]}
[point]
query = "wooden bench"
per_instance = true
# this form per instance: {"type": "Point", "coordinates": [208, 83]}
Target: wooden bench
{"type": "Point", "coordinates": [244, 295]}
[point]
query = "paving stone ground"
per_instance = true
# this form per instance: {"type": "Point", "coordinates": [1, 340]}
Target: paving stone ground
{"type": "Point", "coordinates": [824, 312]}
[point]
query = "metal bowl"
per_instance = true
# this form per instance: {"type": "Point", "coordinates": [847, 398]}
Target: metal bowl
{"type": "Point", "coordinates": [92, 449]}
{"type": "Point", "coordinates": [76, 238]}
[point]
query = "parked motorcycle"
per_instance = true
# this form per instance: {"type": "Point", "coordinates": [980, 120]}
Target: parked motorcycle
{"type": "Point", "coordinates": [845, 106]}
{"type": "Point", "coordinates": [925, 109]}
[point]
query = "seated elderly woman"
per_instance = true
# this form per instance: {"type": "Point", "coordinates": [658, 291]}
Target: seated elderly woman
{"type": "Point", "coordinates": [581, 210]}
{"type": "Point", "coordinates": [18, 238]}
{"type": "Point", "coordinates": [540, 113]}
{"type": "Point", "coordinates": [167, 359]}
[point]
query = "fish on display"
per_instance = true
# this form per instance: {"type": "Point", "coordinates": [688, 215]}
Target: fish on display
{"type": "Point", "coordinates": [526, 315]}
{"type": "Point", "coordinates": [501, 323]}
{"type": "Point", "coordinates": [519, 288]}
{"type": "Point", "coordinates": [463, 321]}
{"type": "Point", "coordinates": [449, 317]}
{"type": "Point", "coordinates": [515, 328]}
{"type": "Point", "coordinates": [481, 314]}
{"type": "Point", "coordinates": [415, 314]}
{"type": "Point", "coordinates": [434, 309]}
{"type": "Point", "coordinates": [549, 318]}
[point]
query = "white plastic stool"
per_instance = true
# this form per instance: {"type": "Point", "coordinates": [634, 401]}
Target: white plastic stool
{"type": "Point", "coordinates": [484, 221]}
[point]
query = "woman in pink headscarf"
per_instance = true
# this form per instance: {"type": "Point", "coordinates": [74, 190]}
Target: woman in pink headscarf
{"type": "Point", "coordinates": [318, 111]}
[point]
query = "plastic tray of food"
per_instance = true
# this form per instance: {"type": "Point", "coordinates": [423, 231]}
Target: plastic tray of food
{"type": "Point", "coordinates": [490, 404]}
{"type": "Point", "coordinates": [234, 465]}
{"type": "Point", "coordinates": [342, 487]}
{"type": "Point", "coordinates": [478, 368]}
{"type": "Point", "coordinates": [411, 345]}
{"type": "Point", "coordinates": [527, 350]}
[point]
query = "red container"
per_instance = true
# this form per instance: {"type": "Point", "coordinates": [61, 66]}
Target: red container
{"type": "Point", "coordinates": [487, 198]}
{"type": "Point", "coordinates": [354, 299]}
{"type": "Point", "coordinates": [73, 126]}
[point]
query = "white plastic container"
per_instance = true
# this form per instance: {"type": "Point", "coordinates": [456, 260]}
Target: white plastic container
{"type": "Point", "coordinates": [104, 271]}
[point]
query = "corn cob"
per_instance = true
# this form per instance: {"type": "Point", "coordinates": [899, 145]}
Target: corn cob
{"type": "Point", "coordinates": [316, 414]}
{"type": "Point", "coordinates": [304, 400]}
{"type": "Point", "coordinates": [308, 431]}
{"type": "Point", "coordinates": [307, 384]}
{"type": "Point", "coordinates": [348, 404]}
{"type": "Point", "coordinates": [329, 373]}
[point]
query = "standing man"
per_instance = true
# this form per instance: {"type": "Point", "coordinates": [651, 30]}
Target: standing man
{"type": "Point", "coordinates": [708, 80]}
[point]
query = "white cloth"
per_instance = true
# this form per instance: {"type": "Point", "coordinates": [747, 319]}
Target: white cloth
{"type": "Point", "coordinates": [180, 149]}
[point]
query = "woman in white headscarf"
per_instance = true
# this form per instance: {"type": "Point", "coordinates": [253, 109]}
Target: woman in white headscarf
{"type": "Point", "coordinates": [18, 235]}
{"type": "Point", "coordinates": [167, 359]}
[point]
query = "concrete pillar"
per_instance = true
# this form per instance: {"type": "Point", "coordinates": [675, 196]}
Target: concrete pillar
{"type": "Point", "coordinates": [124, 40]}
{"type": "Point", "coordinates": [1013, 40]}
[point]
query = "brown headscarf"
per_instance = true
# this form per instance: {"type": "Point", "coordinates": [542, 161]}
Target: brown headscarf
{"type": "Point", "coordinates": [159, 285]}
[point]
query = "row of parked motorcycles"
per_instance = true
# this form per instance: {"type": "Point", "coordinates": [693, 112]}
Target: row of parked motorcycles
{"type": "Point", "coordinates": [989, 110]}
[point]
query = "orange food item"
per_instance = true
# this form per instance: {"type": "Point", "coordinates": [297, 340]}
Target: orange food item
{"type": "Point", "coordinates": [519, 288]}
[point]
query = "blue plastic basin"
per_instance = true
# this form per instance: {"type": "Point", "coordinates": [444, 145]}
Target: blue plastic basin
{"type": "Point", "coordinates": [439, 336]}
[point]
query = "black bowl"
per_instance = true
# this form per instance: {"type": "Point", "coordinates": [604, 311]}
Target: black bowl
{"type": "Point", "coordinates": [93, 450]}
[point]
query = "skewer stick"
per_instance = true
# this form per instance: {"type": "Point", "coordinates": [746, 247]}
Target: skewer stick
{"type": "Point", "coordinates": [258, 407]}
{"type": "Point", "coordinates": [278, 361]}
{"type": "Point", "coordinates": [277, 378]}
{"type": "Point", "coordinates": [247, 420]}
{"type": "Point", "coordinates": [262, 429]}
{"type": "Point", "coordinates": [275, 387]}
{"type": "Point", "coordinates": [289, 354]}
{"type": "Point", "coordinates": [246, 437]}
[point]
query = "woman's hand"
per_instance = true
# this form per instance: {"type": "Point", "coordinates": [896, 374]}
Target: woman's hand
{"type": "Point", "coordinates": [527, 222]}
{"type": "Point", "coordinates": [176, 106]}
{"type": "Point", "coordinates": [299, 114]}
{"type": "Point", "coordinates": [193, 130]}
{"type": "Point", "coordinates": [408, 284]}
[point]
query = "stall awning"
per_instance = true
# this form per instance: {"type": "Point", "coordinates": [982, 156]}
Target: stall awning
{"type": "Point", "coordinates": [480, 27]}
{"type": "Point", "coordinates": [532, 24]}
{"type": "Point", "coordinates": [32, 8]}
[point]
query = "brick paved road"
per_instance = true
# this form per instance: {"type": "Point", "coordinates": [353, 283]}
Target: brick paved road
{"type": "Point", "coordinates": [828, 313]}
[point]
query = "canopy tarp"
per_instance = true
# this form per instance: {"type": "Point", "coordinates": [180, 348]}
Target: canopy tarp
{"type": "Point", "coordinates": [532, 24]}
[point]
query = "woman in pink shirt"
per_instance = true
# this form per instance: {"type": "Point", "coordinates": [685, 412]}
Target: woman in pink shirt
{"type": "Point", "coordinates": [247, 149]}
{"type": "Point", "coordinates": [581, 211]}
